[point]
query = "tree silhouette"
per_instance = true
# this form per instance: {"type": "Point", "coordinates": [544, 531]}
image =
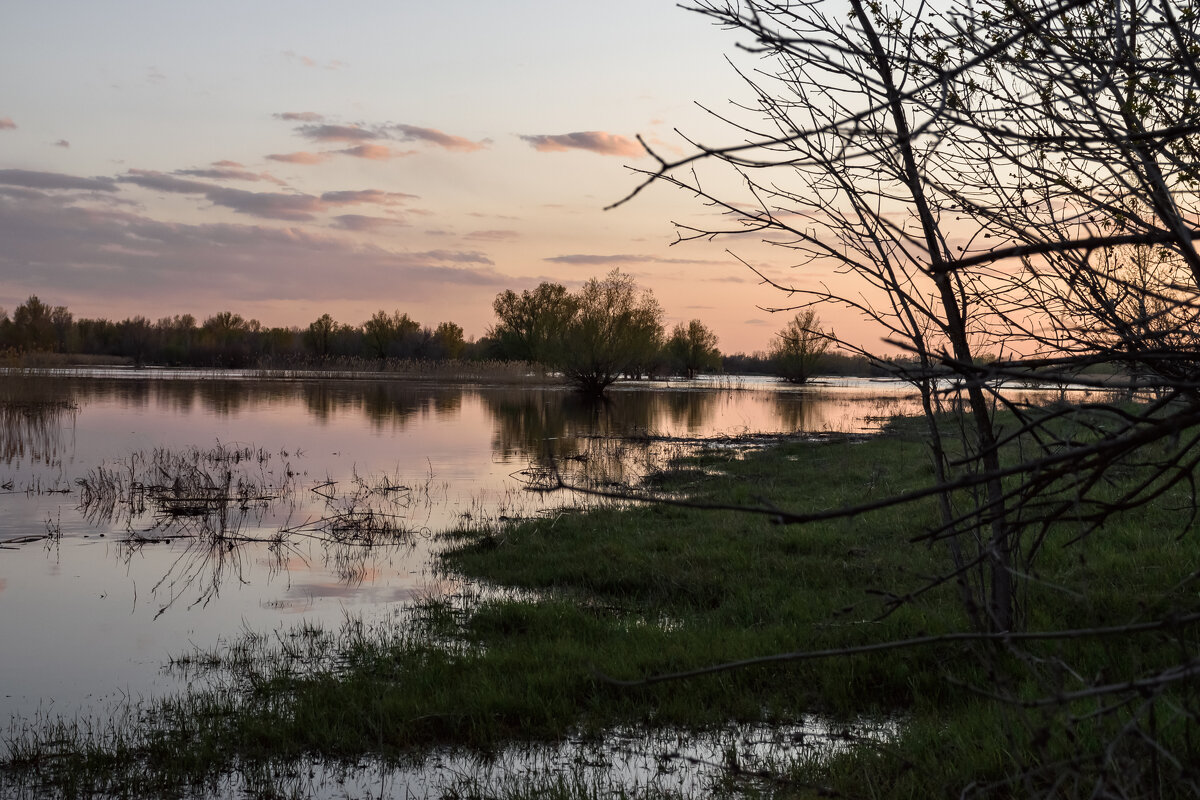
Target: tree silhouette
{"type": "Point", "coordinates": [616, 328]}
{"type": "Point", "coordinates": [694, 348]}
{"type": "Point", "coordinates": [533, 323]}
{"type": "Point", "coordinates": [1004, 176]}
{"type": "Point", "coordinates": [799, 347]}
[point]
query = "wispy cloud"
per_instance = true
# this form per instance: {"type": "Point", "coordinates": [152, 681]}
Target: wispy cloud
{"type": "Point", "coordinates": [362, 223]}
{"type": "Point", "coordinates": [338, 133]}
{"type": "Point", "coordinates": [162, 182]}
{"type": "Point", "coordinates": [295, 207]}
{"type": "Point", "coordinates": [376, 196]}
{"type": "Point", "coordinates": [300, 116]}
{"type": "Point", "coordinates": [375, 152]}
{"type": "Point", "coordinates": [413, 133]}
{"type": "Point", "coordinates": [268, 205]}
{"type": "Point", "coordinates": [227, 171]}
{"type": "Point", "coordinates": [493, 236]}
{"type": "Point", "coordinates": [302, 157]}
{"type": "Point", "coordinates": [457, 256]}
{"type": "Point", "coordinates": [606, 144]}
{"type": "Point", "coordinates": [31, 179]}
{"type": "Point", "coordinates": [306, 61]}
{"type": "Point", "coordinates": [367, 140]}
{"type": "Point", "coordinates": [6, 124]}
{"type": "Point", "coordinates": [590, 259]}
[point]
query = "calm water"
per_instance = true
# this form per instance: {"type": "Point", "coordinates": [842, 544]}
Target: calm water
{"type": "Point", "coordinates": [97, 593]}
{"type": "Point", "coordinates": [140, 517]}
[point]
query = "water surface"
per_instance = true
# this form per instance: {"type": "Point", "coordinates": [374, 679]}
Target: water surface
{"type": "Point", "coordinates": [262, 503]}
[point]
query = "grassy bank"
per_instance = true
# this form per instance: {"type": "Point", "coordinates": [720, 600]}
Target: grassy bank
{"type": "Point", "coordinates": [559, 610]}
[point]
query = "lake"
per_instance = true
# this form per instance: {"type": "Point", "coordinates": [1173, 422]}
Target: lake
{"type": "Point", "coordinates": [144, 513]}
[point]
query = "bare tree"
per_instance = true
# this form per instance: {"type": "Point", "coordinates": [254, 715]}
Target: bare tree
{"type": "Point", "coordinates": [1010, 175]}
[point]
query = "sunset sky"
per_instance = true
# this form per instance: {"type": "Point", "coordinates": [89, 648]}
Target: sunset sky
{"type": "Point", "coordinates": [288, 159]}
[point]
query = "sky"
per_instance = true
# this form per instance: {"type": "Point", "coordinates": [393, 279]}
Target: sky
{"type": "Point", "coordinates": [283, 160]}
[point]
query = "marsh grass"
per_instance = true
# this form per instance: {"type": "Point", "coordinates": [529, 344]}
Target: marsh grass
{"type": "Point", "coordinates": [637, 590]}
{"type": "Point", "coordinates": [210, 504]}
{"type": "Point", "coordinates": [175, 485]}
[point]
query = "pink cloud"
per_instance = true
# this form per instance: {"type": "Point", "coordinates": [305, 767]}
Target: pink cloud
{"type": "Point", "coordinates": [493, 236]}
{"type": "Point", "coordinates": [294, 56]}
{"type": "Point", "coordinates": [375, 152]}
{"type": "Point", "coordinates": [306, 61]}
{"type": "Point", "coordinates": [413, 133]}
{"type": "Point", "coordinates": [300, 116]}
{"type": "Point", "coordinates": [302, 157]}
{"type": "Point", "coordinates": [589, 259]}
{"type": "Point", "coordinates": [606, 144]}
{"type": "Point", "coordinates": [6, 124]}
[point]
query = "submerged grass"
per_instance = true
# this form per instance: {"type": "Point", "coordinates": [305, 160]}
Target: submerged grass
{"type": "Point", "coordinates": [624, 593]}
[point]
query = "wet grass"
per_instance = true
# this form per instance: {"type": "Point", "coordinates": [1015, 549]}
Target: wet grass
{"type": "Point", "coordinates": [564, 608]}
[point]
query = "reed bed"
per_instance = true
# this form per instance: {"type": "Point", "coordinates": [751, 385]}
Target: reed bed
{"type": "Point", "coordinates": [172, 485]}
{"type": "Point", "coordinates": [212, 502]}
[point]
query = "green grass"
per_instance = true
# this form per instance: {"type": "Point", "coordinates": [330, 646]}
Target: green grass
{"type": "Point", "coordinates": [632, 592]}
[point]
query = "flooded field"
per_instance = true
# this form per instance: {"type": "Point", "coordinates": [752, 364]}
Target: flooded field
{"type": "Point", "coordinates": [145, 517]}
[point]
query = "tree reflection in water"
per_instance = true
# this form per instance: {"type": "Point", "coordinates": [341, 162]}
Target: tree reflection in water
{"type": "Point", "coordinates": [218, 515]}
{"type": "Point", "coordinates": [608, 442]}
{"type": "Point", "coordinates": [32, 419]}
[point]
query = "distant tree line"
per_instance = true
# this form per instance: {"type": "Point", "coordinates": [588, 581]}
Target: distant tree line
{"type": "Point", "coordinates": [227, 339]}
{"type": "Point", "coordinates": [607, 330]}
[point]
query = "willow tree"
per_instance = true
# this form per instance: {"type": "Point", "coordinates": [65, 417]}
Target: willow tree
{"type": "Point", "coordinates": [798, 347]}
{"type": "Point", "coordinates": [532, 324]}
{"type": "Point", "coordinates": [616, 329]}
{"type": "Point", "coordinates": [693, 347]}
